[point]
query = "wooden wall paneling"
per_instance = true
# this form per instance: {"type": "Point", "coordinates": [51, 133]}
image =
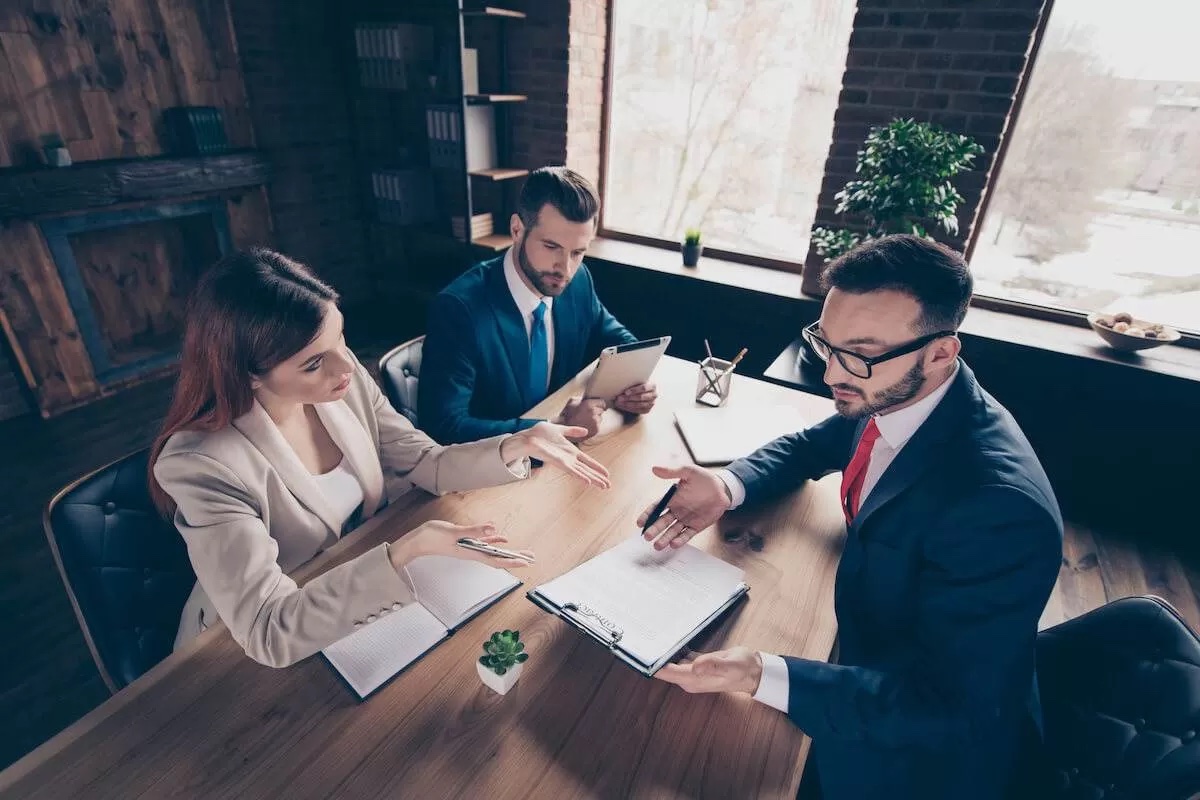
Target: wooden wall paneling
{"type": "Point", "coordinates": [112, 60]}
{"type": "Point", "coordinates": [30, 88]}
{"type": "Point", "coordinates": [46, 334]}
{"type": "Point", "coordinates": [13, 18]}
{"type": "Point", "coordinates": [250, 221]}
{"type": "Point", "coordinates": [155, 54]}
{"type": "Point", "coordinates": [106, 141]}
{"type": "Point", "coordinates": [56, 42]}
{"type": "Point", "coordinates": [190, 56]}
{"type": "Point", "coordinates": [138, 277]}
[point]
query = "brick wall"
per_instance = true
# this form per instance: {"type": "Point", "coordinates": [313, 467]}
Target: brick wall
{"type": "Point", "coordinates": [951, 63]}
{"type": "Point", "coordinates": [556, 57]}
{"type": "Point", "coordinates": [295, 82]}
{"type": "Point", "coordinates": [538, 67]}
{"type": "Point", "coordinates": [585, 85]}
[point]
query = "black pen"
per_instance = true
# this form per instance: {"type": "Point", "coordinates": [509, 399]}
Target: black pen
{"type": "Point", "coordinates": [659, 508]}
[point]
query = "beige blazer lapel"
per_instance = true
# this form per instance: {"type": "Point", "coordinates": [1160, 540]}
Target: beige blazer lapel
{"type": "Point", "coordinates": [257, 426]}
{"type": "Point", "coordinates": [358, 448]}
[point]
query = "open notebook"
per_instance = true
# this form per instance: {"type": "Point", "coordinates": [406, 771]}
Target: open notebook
{"type": "Point", "coordinates": [644, 605]}
{"type": "Point", "coordinates": [449, 591]}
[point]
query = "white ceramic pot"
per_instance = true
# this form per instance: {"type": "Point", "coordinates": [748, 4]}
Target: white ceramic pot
{"type": "Point", "coordinates": [499, 683]}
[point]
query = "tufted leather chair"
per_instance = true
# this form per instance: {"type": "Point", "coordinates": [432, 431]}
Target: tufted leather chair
{"type": "Point", "coordinates": [125, 568]}
{"type": "Point", "coordinates": [399, 370]}
{"type": "Point", "coordinates": [1120, 690]}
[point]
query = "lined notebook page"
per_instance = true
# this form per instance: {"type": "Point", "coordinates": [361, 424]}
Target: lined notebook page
{"type": "Point", "coordinates": [374, 653]}
{"type": "Point", "coordinates": [453, 588]}
{"type": "Point", "coordinates": [656, 597]}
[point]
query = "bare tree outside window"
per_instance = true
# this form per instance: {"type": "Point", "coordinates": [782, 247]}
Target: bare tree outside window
{"type": "Point", "coordinates": [1097, 203]}
{"type": "Point", "coordinates": [721, 119]}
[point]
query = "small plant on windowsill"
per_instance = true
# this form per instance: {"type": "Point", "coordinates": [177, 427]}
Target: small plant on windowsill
{"type": "Point", "coordinates": [503, 658]}
{"type": "Point", "coordinates": [903, 185]}
{"type": "Point", "coordinates": [692, 247]}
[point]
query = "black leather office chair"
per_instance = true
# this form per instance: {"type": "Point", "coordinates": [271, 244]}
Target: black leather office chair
{"type": "Point", "coordinates": [125, 568]}
{"type": "Point", "coordinates": [1120, 691]}
{"type": "Point", "coordinates": [399, 371]}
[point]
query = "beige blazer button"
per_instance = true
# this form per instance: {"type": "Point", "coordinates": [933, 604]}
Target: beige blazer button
{"type": "Point", "coordinates": [370, 617]}
{"type": "Point", "coordinates": [396, 606]}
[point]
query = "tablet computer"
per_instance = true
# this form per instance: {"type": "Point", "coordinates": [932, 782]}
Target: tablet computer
{"type": "Point", "coordinates": [624, 365]}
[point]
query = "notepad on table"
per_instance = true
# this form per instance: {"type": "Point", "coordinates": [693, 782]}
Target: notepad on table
{"type": "Point", "coordinates": [717, 436]}
{"type": "Point", "coordinates": [449, 592]}
{"type": "Point", "coordinates": [644, 604]}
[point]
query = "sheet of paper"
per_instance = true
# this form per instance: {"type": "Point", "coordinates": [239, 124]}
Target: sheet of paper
{"type": "Point", "coordinates": [375, 652]}
{"type": "Point", "coordinates": [655, 597]}
{"type": "Point", "coordinates": [454, 588]}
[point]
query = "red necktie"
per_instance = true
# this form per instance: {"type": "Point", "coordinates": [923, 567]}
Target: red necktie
{"type": "Point", "coordinates": [856, 470]}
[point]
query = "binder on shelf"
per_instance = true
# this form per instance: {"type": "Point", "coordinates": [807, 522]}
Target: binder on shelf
{"type": "Point", "coordinates": [403, 196]}
{"type": "Point", "coordinates": [396, 56]}
{"type": "Point", "coordinates": [643, 605]}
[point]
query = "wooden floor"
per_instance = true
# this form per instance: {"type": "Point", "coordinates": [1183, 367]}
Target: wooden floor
{"type": "Point", "coordinates": [47, 679]}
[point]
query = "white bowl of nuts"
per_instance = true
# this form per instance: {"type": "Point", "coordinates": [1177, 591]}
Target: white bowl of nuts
{"type": "Point", "coordinates": [1124, 332]}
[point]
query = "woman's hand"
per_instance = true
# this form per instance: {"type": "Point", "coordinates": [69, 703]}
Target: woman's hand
{"type": "Point", "coordinates": [438, 538]}
{"type": "Point", "coordinates": [552, 445]}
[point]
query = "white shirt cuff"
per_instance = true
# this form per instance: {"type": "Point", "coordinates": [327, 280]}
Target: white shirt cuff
{"type": "Point", "coordinates": [737, 492]}
{"type": "Point", "coordinates": [773, 687]}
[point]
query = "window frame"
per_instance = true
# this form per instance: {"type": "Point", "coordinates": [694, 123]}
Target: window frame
{"type": "Point", "coordinates": [767, 262]}
{"type": "Point", "coordinates": [1016, 307]}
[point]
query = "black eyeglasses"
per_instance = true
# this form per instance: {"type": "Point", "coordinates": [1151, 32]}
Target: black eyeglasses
{"type": "Point", "coordinates": [857, 364]}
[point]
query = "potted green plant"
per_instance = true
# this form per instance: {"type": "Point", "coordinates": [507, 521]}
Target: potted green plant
{"type": "Point", "coordinates": [692, 247]}
{"type": "Point", "coordinates": [904, 185]}
{"type": "Point", "coordinates": [55, 151]}
{"type": "Point", "coordinates": [503, 657]}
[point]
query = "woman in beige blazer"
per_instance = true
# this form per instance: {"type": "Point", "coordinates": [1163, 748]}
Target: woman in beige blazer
{"type": "Point", "coordinates": [278, 442]}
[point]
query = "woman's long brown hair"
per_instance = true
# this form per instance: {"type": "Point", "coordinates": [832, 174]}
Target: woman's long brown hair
{"type": "Point", "coordinates": [251, 311]}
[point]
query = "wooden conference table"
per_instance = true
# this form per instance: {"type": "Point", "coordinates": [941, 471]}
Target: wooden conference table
{"type": "Point", "coordinates": [210, 723]}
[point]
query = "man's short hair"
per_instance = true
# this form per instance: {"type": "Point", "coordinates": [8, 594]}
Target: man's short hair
{"type": "Point", "coordinates": [569, 192]}
{"type": "Point", "coordinates": [931, 273]}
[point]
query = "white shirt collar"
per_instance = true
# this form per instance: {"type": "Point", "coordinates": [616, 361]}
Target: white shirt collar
{"type": "Point", "coordinates": [526, 299]}
{"type": "Point", "coordinates": [897, 427]}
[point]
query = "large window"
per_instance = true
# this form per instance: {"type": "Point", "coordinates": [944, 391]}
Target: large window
{"type": "Point", "coordinates": [720, 118]}
{"type": "Point", "coordinates": [1097, 203]}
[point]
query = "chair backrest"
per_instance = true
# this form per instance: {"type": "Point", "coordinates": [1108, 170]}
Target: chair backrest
{"type": "Point", "coordinates": [1120, 689]}
{"type": "Point", "coordinates": [125, 568]}
{"type": "Point", "coordinates": [399, 371]}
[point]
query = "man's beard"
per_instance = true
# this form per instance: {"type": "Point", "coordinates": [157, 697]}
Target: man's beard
{"type": "Point", "coordinates": [532, 274]}
{"type": "Point", "coordinates": [899, 392]}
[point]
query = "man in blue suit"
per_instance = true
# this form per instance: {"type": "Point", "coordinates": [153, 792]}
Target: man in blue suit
{"type": "Point", "coordinates": [954, 540]}
{"type": "Point", "coordinates": [511, 330]}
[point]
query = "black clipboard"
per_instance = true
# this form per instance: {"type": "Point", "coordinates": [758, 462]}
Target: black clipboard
{"type": "Point", "coordinates": [608, 633]}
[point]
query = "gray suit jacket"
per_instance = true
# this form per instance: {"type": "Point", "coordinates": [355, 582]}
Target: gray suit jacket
{"type": "Point", "coordinates": [250, 513]}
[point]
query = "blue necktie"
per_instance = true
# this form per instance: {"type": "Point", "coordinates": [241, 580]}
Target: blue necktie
{"type": "Point", "coordinates": [539, 356]}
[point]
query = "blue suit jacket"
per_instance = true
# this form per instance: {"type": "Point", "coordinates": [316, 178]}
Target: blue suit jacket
{"type": "Point", "coordinates": [475, 362]}
{"type": "Point", "coordinates": [946, 570]}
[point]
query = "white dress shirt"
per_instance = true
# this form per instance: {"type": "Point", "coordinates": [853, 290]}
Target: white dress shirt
{"type": "Point", "coordinates": [895, 429]}
{"type": "Point", "coordinates": [527, 301]}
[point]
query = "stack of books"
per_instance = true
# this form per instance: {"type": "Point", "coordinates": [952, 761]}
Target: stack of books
{"type": "Point", "coordinates": [481, 225]}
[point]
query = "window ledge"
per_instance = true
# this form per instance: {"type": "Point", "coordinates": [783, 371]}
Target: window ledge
{"type": "Point", "coordinates": [1027, 332]}
{"type": "Point", "coordinates": [710, 270]}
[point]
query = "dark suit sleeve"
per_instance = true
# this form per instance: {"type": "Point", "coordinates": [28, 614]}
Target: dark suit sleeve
{"type": "Point", "coordinates": [447, 382]}
{"type": "Point", "coordinates": [788, 461]}
{"type": "Point", "coordinates": [605, 329]}
{"type": "Point", "coordinates": [990, 565]}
